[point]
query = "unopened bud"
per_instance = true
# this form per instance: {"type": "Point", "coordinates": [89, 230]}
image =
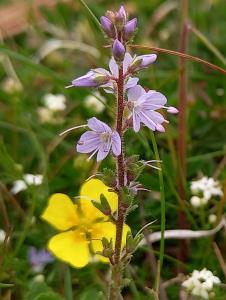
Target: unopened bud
{"type": "Point", "coordinates": [107, 26]}
{"type": "Point", "coordinates": [129, 29]}
{"type": "Point", "coordinates": [91, 79]}
{"type": "Point", "coordinates": [120, 18]}
{"type": "Point", "coordinates": [172, 110]}
{"type": "Point", "coordinates": [142, 61]}
{"type": "Point", "coordinates": [118, 50]}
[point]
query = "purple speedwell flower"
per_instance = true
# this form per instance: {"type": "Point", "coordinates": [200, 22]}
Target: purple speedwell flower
{"type": "Point", "coordinates": [39, 259]}
{"type": "Point", "coordinates": [102, 78]}
{"type": "Point", "coordinates": [143, 106]}
{"type": "Point", "coordinates": [101, 139]}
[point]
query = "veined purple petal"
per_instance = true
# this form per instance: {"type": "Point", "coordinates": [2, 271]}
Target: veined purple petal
{"type": "Point", "coordinates": [131, 82]}
{"type": "Point", "coordinates": [113, 67]}
{"type": "Point", "coordinates": [135, 93]}
{"type": "Point", "coordinates": [88, 145]}
{"type": "Point", "coordinates": [147, 121]}
{"type": "Point", "coordinates": [116, 143]}
{"type": "Point", "coordinates": [126, 62]}
{"type": "Point", "coordinates": [97, 125]}
{"type": "Point", "coordinates": [103, 152]}
{"type": "Point", "coordinates": [86, 80]}
{"type": "Point", "coordinates": [155, 116]}
{"type": "Point", "coordinates": [136, 122]}
{"type": "Point", "coordinates": [156, 98]}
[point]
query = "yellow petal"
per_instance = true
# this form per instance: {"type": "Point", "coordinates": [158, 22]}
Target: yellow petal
{"type": "Point", "coordinates": [70, 247]}
{"type": "Point", "coordinates": [92, 190]}
{"type": "Point", "coordinates": [61, 212]}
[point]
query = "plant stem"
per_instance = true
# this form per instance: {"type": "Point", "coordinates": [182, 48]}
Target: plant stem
{"type": "Point", "coordinates": [182, 134]}
{"type": "Point", "coordinates": [116, 280]}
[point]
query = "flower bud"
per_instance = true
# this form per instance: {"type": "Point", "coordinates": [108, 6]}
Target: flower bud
{"type": "Point", "coordinates": [91, 79]}
{"type": "Point", "coordinates": [118, 50]}
{"type": "Point", "coordinates": [120, 18]}
{"type": "Point", "coordinates": [142, 61]}
{"type": "Point", "coordinates": [160, 128]}
{"type": "Point", "coordinates": [129, 29]}
{"type": "Point", "coordinates": [107, 26]}
{"type": "Point", "coordinates": [172, 110]}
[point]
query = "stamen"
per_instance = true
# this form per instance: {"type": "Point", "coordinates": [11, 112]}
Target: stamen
{"type": "Point", "coordinates": [69, 86]}
{"type": "Point", "coordinates": [72, 128]}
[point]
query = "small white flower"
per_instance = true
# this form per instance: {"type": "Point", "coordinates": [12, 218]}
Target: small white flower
{"type": "Point", "coordinates": [55, 102]}
{"type": "Point", "coordinates": [28, 179]}
{"type": "Point", "coordinates": [195, 201]}
{"type": "Point", "coordinates": [93, 102]}
{"type": "Point", "coordinates": [2, 236]}
{"type": "Point", "coordinates": [207, 186]}
{"type": "Point", "coordinates": [201, 283]}
{"type": "Point", "coordinates": [212, 218]}
{"type": "Point", "coordinates": [45, 115]}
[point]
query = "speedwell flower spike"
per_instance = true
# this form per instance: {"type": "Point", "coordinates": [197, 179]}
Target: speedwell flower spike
{"type": "Point", "coordinates": [101, 139]}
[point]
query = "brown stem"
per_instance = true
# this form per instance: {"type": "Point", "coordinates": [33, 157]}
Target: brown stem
{"type": "Point", "coordinates": [182, 55]}
{"type": "Point", "coordinates": [182, 122]}
{"type": "Point", "coordinates": [116, 281]}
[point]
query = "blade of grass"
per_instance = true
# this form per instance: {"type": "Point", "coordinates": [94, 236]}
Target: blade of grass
{"type": "Point", "coordinates": [208, 44]}
{"type": "Point", "coordinates": [68, 285]}
{"type": "Point", "coordinates": [163, 206]}
{"type": "Point", "coordinates": [34, 66]}
{"type": "Point", "coordinates": [96, 21]}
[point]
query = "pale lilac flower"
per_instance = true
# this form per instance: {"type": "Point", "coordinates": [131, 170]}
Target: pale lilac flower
{"type": "Point", "coordinates": [100, 139]}
{"type": "Point", "coordinates": [118, 50]}
{"type": "Point", "coordinates": [39, 259]}
{"type": "Point", "coordinates": [143, 106]}
{"type": "Point", "coordinates": [129, 29]}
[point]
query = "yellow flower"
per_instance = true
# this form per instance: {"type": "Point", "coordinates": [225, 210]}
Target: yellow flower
{"type": "Point", "coordinates": [83, 225]}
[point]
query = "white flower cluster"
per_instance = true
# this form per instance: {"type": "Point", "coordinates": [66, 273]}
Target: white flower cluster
{"type": "Point", "coordinates": [53, 103]}
{"type": "Point", "coordinates": [28, 179]}
{"type": "Point", "coordinates": [203, 190]}
{"type": "Point", "coordinates": [201, 283]}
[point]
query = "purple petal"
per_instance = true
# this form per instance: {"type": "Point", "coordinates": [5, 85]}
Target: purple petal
{"type": "Point", "coordinates": [155, 98]}
{"type": "Point", "coordinates": [98, 126]}
{"type": "Point", "coordinates": [135, 93]}
{"type": "Point", "coordinates": [160, 128]}
{"type": "Point", "coordinates": [86, 80]}
{"type": "Point", "coordinates": [116, 143]}
{"type": "Point", "coordinates": [126, 62]}
{"type": "Point", "coordinates": [113, 67]}
{"type": "Point", "coordinates": [102, 71]}
{"type": "Point", "coordinates": [136, 122]}
{"type": "Point", "coordinates": [147, 120]}
{"type": "Point", "coordinates": [155, 116]}
{"type": "Point", "coordinates": [103, 152]}
{"type": "Point", "coordinates": [85, 145]}
{"type": "Point", "coordinates": [131, 83]}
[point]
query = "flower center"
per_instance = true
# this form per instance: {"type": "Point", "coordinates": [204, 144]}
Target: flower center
{"type": "Point", "coordinates": [105, 137]}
